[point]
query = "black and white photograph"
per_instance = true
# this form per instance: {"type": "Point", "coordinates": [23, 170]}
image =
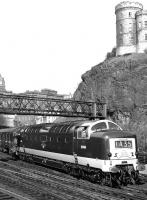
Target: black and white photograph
{"type": "Point", "coordinates": [73, 100]}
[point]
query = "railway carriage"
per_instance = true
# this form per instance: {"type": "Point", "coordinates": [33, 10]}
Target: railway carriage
{"type": "Point", "coordinates": [7, 138]}
{"type": "Point", "coordinates": [98, 150]}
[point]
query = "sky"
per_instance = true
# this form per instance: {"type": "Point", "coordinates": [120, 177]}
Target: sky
{"type": "Point", "coordinates": [51, 43]}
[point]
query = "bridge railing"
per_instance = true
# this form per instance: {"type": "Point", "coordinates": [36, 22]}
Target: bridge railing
{"type": "Point", "coordinates": [28, 105]}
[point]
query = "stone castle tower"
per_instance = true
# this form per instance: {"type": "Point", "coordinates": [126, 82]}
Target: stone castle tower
{"type": "Point", "coordinates": [131, 28]}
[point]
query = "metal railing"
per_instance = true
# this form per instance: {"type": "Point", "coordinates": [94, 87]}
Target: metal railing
{"type": "Point", "coordinates": [28, 105]}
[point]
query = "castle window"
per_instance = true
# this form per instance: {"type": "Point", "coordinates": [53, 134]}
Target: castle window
{"type": "Point", "coordinates": [121, 28]}
{"type": "Point", "coordinates": [130, 26]}
{"type": "Point", "coordinates": [120, 41]}
{"type": "Point", "coordinates": [145, 36]}
{"type": "Point", "coordinates": [130, 14]}
{"type": "Point", "coordinates": [145, 24]}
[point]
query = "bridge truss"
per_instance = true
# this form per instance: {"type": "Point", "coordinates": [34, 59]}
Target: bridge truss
{"type": "Point", "coordinates": [27, 105]}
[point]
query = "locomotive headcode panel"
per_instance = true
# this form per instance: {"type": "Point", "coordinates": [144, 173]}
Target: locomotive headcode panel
{"type": "Point", "coordinates": [123, 144]}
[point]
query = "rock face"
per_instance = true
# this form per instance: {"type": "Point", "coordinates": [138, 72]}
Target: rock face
{"type": "Point", "coordinates": [122, 83]}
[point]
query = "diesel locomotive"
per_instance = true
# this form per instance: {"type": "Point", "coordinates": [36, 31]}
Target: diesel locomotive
{"type": "Point", "coordinates": [97, 150]}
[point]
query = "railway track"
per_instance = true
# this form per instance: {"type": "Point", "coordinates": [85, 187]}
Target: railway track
{"type": "Point", "coordinates": [64, 186]}
{"type": "Point", "coordinates": [37, 191]}
{"type": "Point", "coordinates": [8, 195]}
{"type": "Point", "coordinates": [48, 187]}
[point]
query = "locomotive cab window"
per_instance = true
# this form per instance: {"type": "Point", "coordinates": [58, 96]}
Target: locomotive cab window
{"type": "Point", "coordinates": [113, 126]}
{"type": "Point", "coordinates": [82, 132]}
{"type": "Point", "coordinates": [99, 126]}
{"type": "Point", "coordinates": [130, 14]}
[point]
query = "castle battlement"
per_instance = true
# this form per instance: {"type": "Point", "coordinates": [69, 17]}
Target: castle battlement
{"type": "Point", "coordinates": [128, 4]}
{"type": "Point", "coordinates": [142, 12]}
{"type": "Point", "coordinates": [131, 28]}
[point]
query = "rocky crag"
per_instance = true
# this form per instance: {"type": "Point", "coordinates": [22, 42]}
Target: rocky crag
{"type": "Point", "coordinates": [122, 83]}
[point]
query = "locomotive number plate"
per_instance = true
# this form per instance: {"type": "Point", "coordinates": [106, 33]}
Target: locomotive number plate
{"type": "Point", "coordinates": [123, 144]}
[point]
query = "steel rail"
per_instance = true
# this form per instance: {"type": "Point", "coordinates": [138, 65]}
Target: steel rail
{"type": "Point", "coordinates": [94, 190]}
{"type": "Point", "coordinates": [7, 194]}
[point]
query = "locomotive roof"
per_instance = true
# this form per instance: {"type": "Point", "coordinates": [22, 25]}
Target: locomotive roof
{"type": "Point", "coordinates": [64, 127]}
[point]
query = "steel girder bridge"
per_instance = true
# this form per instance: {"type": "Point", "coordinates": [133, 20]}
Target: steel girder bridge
{"type": "Point", "coordinates": [28, 105]}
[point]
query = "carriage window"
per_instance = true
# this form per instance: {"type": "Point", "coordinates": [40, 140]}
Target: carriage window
{"type": "Point", "coordinates": [43, 138]}
{"type": "Point", "coordinates": [82, 132]}
{"type": "Point", "coordinates": [99, 126]}
{"type": "Point", "coordinates": [113, 126]}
